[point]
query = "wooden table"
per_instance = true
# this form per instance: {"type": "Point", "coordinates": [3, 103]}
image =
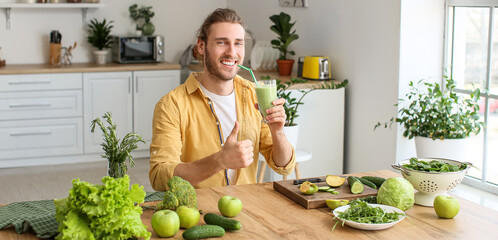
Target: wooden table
{"type": "Point", "coordinates": [267, 214]}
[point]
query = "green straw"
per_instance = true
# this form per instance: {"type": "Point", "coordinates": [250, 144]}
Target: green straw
{"type": "Point", "coordinates": [252, 74]}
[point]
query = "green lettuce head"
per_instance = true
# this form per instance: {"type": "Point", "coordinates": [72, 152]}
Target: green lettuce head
{"type": "Point", "coordinates": [396, 192]}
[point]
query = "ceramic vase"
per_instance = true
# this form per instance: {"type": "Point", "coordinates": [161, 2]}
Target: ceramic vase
{"type": "Point", "coordinates": [101, 56]}
{"type": "Point", "coordinates": [148, 29]}
{"type": "Point", "coordinates": [455, 149]}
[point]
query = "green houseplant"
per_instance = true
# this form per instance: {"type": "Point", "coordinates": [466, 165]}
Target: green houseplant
{"type": "Point", "coordinates": [99, 36]}
{"type": "Point", "coordinates": [440, 121]}
{"type": "Point", "coordinates": [282, 26]}
{"type": "Point", "coordinates": [437, 114]}
{"type": "Point", "coordinates": [115, 151]}
{"type": "Point", "coordinates": [143, 15]}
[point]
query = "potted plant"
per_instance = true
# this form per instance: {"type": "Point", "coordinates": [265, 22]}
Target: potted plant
{"type": "Point", "coordinates": [99, 36]}
{"type": "Point", "coordinates": [436, 116]}
{"type": "Point", "coordinates": [282, 26]}
{"type": "Point", "coordinates": [292, 103]}
{"type": "Point", "coordinates": [143, 16]}
{"type": "Point", "coordinates": [116, 152]}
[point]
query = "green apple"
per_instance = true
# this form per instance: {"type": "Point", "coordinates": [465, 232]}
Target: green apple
{"type": "Point", "coordinates": [446, 206]}
{"type": "Point", "coordinates": [335, 203]}
{"type": "Point", "coordinates": [308, 188]}
{"type": "Point", "coordinates": [189, 217]}
{"type": "Point", "coordinates": [165, 223]}
{"type": "Point", "coordinates": [229, 206]}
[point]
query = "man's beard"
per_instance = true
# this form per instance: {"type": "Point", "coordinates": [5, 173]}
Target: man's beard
{"type": "Point", "coordinates": [214, 70]}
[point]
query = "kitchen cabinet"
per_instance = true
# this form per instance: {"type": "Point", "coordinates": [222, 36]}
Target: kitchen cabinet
{"type": "Point", "coordinates": [46, 111]}
{"type": "Point", "coordinates": [149, 87]}
{"type": "Point", "coordinates": [107, 92]}
{"type": "Point", "coordinates": [40, 115]}
{"type": "Point", "coordinates": [130, 97]}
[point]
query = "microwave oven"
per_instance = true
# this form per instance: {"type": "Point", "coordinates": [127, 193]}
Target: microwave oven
{"type": "Point", "coordinates": [137, 49]}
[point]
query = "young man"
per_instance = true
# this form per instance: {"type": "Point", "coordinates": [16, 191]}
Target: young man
{"type": "Point", "coordinates": [209, 130]}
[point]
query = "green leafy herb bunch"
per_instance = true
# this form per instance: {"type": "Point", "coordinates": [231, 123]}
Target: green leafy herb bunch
{"type": "Point", "coordinates": [116, 151]}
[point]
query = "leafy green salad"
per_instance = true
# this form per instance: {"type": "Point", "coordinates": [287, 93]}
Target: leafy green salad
{"type": "Point", "coordinates": [107, 211]}
{"type": "Point", "coordinates": [361, 212]}
{"type": "Point", "coordinates": [433, 166]}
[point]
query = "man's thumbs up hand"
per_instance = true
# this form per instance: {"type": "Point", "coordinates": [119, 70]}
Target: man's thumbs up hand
{"type": "Point", "coordinates": [236, 154]}
{"type": "Point", "coordinates": [233, 135]}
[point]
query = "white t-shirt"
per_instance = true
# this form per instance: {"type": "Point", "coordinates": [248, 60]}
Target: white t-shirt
{"type": "Point", "coordinates": [224, 107]}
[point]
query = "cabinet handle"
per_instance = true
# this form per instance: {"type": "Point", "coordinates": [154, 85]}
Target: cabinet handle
{"type": "Point", "coordinates": [30, 105]}
{"type": "Point", "coordinates": [20, 134]}
{"type": "Point", "coordinates": [129, 84]}
{"type": "Point", "coordinates": [32, 82]}
{"type": "Point", "coordinates": [136, 84]}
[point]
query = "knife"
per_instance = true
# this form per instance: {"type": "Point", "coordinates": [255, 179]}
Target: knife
{"type": "Point", "coordinates": [313, 180]}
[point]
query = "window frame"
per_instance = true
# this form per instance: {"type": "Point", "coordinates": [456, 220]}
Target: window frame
{"type": "Point", "coordinates": [448, 60]}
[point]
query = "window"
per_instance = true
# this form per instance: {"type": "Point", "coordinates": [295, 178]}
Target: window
{"type": "Point", "coordinates": [471, 57]}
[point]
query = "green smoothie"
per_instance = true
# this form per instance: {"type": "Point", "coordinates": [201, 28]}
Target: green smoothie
{"type": "Point", "coordinates": [266, 94]}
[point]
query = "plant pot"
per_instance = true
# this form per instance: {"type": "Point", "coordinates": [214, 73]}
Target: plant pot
{"type": "Point", "coordinates": [101, 56]}
{"type": "Point", "coordinates": [285, 67]}
{"type": "Point", "coordinates": [148, 29]}
{"type": "Point", "coordinates": [292, 134]}
{"type": "Point", "coordinates": [454, 149]}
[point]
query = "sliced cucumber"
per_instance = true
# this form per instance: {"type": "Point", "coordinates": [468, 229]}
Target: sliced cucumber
{"type": "Point", "coordinates": [356, 185]}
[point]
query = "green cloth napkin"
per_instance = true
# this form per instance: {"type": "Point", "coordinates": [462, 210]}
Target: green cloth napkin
{"type": "Point", "coordinates": [39, 215]}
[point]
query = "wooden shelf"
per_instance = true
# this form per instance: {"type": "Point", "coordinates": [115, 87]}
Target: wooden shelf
{"type": "Point", "coordinates": [83, 6]}
{"type": "Point", "coordinates": [51, 5]}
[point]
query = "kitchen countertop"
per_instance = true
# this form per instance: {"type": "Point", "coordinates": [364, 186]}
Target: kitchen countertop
{"type": "Point", "coordinates": [267, 214]}
{"type": "Point", "coordinates": [273, 75]}
{"type": "Point", "coordinates": [85, 67]}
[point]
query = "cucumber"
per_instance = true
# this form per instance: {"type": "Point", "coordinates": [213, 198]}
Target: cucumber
{"type": "Point", "coordinates": [355, 184]}
{"type": "Point", "coordinates": [323, 188]}
{"type": "Point", "coordinates": [368, 183]}
{"type": "Point", "coordinates": [224, 222]}
{"type": "Point", "coordinates": [376, 180]}
{"type": "Point", "coordinates": [203, 231]}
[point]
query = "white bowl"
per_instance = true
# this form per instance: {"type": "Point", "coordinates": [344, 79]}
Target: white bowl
{"type": "Point", "coordinates": [431, 184]}
{"type": "Point", "coordinates": [370, 226]}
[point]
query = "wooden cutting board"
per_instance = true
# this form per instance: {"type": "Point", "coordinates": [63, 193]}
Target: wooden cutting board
{"type": "Point", "coordinates": [317, 200]}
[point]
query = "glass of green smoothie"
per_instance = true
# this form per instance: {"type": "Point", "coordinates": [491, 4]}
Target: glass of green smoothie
{"type": "Point", "coordinates": [266, 92]}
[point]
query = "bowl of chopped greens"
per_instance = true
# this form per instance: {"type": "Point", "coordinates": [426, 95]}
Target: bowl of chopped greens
{"type": "Point", "coordinates": [368, 216]}
{"type": "Point", "coordinates": [432, 176]}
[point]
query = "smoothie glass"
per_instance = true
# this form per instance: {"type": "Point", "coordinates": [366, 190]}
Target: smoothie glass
{"type": "Point", "coordinates": [266, 92]}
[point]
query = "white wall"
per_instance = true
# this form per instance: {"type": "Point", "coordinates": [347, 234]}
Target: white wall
{"type": "Point", "coordinates": [27, 40]}
{"type": "Point", "coordinates": [361, 37]}
{"type": "Point", "coordinates": [421, 53]}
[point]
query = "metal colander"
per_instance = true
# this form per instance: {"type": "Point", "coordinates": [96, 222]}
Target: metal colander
{"type": "Point", "coordinates": [431, 184]}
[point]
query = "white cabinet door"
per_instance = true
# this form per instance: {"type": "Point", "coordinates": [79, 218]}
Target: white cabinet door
{"type": "Point", "coordinates": [106, 92]}
{"type": "Point", "coordinates": [149, 87]}
{"type": "Point", "coordinates": [40, 138]}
